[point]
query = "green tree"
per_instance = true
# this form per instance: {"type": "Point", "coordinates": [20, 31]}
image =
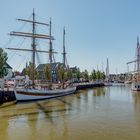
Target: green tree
{"type": "Point", "coordinates": [98, 75]}
{"type": "Point", "coordinates": [93, 75]}
{"type": "Point", "coordinates": [3, 59]}
{"type": "Point", "coordinates": [103, 75]}
{"type": "Point", "coordinates": [24, 71]}
{"type": "Point", "coordinates": [61, 74]}
{"type": "Point", "coordinates": [47, 72]}
{"type": "Point", "coordinates": [78, 74]}
{"type": "Point", "coordinates": [37, 74]}
{"type": "Point", "coordinates": [69, 74]}
{"type": "Point", "coordinates": [86, 75]}
{"type": "Point", "coordinates": [29, 71]}
{"type": "Point", "coordinates": [16, 73]}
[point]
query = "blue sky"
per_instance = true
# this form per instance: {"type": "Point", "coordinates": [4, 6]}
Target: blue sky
{"type": "Point", "coordinates": [95, 30]}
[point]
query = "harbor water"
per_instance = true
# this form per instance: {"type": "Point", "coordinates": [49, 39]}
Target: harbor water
{"type": "Point", "coordinates": [104, 113]}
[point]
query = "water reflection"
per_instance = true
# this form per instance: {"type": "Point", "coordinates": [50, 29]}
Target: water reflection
{"type": "Point", "coordinates": [136, 97]}
{"type": "Point", "coordinates": [3, 129]}
{"type": "Point", "coordinates": [108, 113]}
{"type": "Point", "coordinates": [100, 91]}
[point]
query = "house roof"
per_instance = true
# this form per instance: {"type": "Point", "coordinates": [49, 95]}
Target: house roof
{"type": "Point", "coordinates": [41, 67]}
{"type": "Point", "coordinates": [74, 69]}
{"type": "Point", "coordinates": [8, 66]}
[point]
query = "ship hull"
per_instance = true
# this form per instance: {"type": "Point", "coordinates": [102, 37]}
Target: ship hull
{"type": "Point", "coordinates": [128, 82]}
{"type": "Point", "coordinates": [135, 86]}
{"type": "Point", "coordinates": [34, 94]}
{"type": "Point", "coordinates": [107, 84]}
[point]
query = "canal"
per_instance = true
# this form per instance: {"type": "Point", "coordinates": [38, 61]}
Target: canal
{"type": "Point", "coordinates": [107, 113]}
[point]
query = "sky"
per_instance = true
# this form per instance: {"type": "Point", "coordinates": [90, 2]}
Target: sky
{"type": "Point", "coordinates": [95, 30]}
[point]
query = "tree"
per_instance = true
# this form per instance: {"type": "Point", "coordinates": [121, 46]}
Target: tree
{"type": "Point", "coordinates": [98, 75]}
{"type": "Point", "coordinates": [93, 75]}
{"type": "Point", "coordinates": [61, 73]}
{"type": "Point", "coordinates": [78, 74]}
{"type": "Point", "coordinates": [103, 75]}
{"type": "Point", "coordinates": [86, 75]}
{"type": "Point", "coordinates": [3, 59]}
{"type": "Point", "coordinates": [24, 71]}
{"type": "Point", "coordinates": [36, 74]}
{"type": "Point", "coordinates": [16, 73]}
{"type": "Point", "coordinates": [69, 74]}
{"type": "Point", "coordinates": [47, 72]}
{"type": "Point", "coordinates": [29, 71]}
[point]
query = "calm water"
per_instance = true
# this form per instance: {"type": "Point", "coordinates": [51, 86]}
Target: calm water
{"type": "Point", "coordinates": [110, 113]}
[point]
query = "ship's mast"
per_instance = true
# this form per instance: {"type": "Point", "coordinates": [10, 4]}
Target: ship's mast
{"type": "Point", "coordinates": [137, 61]}
{"type": "Point", "coordinates": [50, 54]}
{"type": "Point", "coordinates": [33, 48]}
{"type": "Point", "coordinates": [107, 69]}
{"type": "Point", "coordinates": [138, 55]}
{"type": "Point", "coordinates": [33, 35]}
{"type": "Point", "coordinates": [64, 50]}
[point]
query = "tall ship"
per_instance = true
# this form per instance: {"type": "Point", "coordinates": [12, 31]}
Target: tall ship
{"type": "Point", "coordinates": [34, 91]}
{"type": "Point", "coordinates": [136, 73]}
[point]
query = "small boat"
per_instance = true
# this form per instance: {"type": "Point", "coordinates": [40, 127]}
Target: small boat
{"type": "Point", "coordinates": [31, 92]}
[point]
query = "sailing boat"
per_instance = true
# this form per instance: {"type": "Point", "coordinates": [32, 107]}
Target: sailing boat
{"type": "Point", "coordinates": [107, 78]}
{"type": "Point", "coordinates": [34, 93]}
{"type": "Point", "coordinates": [136, 74]}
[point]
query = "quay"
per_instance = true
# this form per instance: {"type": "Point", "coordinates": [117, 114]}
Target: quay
{"type": "Point", "coordinates": [88, 85]}
{"type": "Point", "coordinates": [8, 96]}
